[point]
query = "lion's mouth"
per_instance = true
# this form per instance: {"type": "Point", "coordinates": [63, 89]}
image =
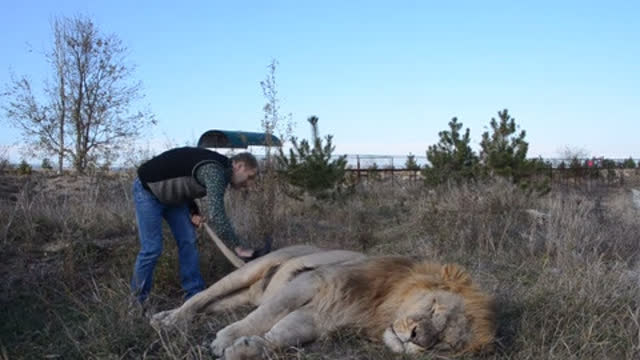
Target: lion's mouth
{"type": "Point", "coordinates": [393, 331]}
{"type": "Point", "coordinates": [401, 343]}
{"type": "Point", "coordinates": [416, 337]}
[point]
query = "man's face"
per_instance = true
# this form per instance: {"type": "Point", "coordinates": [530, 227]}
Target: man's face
{"type": "Point", "coordinates": [243, 176]}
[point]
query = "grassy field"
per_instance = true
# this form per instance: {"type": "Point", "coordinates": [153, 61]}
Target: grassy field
{"type": "Point", "coordinates": [563, 267]}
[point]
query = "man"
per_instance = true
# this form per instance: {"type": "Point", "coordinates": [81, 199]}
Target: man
{"type": "Point", "coordinates": [166, 188]}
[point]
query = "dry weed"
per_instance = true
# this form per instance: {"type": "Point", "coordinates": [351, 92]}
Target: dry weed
{"type": "Point", "coordinates": [563, 266]}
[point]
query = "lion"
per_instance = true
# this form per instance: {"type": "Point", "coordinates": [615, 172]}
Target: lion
{"type": "Point", "coordinates": [303, 293]}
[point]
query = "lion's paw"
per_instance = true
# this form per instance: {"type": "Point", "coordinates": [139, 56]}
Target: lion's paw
{"type": "Point", "coordinates": [223, 340]}
{"type": "Point", "coordinates": [164, 319]}
{"type": "Point", "coordinates": [246, 348]}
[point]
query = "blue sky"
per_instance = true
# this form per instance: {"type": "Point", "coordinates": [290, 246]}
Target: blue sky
{"type": "Point", "coordinates": [383, 77]}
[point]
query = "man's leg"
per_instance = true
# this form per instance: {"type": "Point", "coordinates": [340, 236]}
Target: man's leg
{"type": "Point", "coordinates": [149, 217]}
{"type": "Point", "coordinates": [184, 232]}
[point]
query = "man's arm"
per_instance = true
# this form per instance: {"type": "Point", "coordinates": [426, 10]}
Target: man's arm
{"type": "Point", "coordinates": [193, 208]}
{"type": "Point", "coordinates": [213, 178]}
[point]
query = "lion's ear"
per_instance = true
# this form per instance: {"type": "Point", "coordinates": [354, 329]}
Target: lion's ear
{"type": "Point", "coordinates": [455, 273]}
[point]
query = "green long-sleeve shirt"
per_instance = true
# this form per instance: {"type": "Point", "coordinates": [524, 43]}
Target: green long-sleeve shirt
{"type": "Point", "coordinates": [213, 177]}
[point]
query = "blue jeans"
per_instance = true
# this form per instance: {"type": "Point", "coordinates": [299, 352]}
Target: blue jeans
{"type": "Point", "coordinates": [149, 214]}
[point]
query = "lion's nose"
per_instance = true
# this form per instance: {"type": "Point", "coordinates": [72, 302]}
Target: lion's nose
{"type": "Point", "coordinates": [424, 334]}
{"type": "Point", "coordinates": [414, 333]}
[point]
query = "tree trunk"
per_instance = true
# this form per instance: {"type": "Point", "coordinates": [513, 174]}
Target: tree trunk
{"type": "Point", "coordinates": [59, 56]}
{"type": "Point", "coordinates": [63, 105]}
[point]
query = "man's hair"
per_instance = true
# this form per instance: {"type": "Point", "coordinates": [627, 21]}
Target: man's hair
{"type": "Point", "coordinates": [247, 159]}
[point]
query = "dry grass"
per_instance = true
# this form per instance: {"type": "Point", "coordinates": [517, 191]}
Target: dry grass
{"type": "Point", "coordinates": [566, 276]}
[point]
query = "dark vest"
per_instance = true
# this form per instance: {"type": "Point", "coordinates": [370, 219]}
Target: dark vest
{"type": "Point", "coordinates": [171, 176]}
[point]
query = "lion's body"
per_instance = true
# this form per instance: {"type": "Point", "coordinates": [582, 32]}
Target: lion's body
{"type": "Point", "coordinates": [303, 293]}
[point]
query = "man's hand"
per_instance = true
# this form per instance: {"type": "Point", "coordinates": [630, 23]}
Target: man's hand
{"type": "Point", "coordinates": [250, 254]}
{"type": "Point", "coordinates": [197, 220]}
{"type": "Point", "coordinates": [244, 253]}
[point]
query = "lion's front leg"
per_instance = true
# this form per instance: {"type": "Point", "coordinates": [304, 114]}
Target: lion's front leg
{"type": "Point", "coordinates": [247, 347]}
{"type": "Point", "coordinates": [297, 328]}
{"type": "Point", "coordinates": [267, 315]}
{"type": "Point", "coordinates": [164, 319]}
{"type": "Point", "coordinates": [181, 315]}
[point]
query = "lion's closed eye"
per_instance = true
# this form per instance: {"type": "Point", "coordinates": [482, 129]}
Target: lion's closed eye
{"type": "Point", "coordinates": [439, 315]}
{"type": "Point", "coordinates": [442, 346]}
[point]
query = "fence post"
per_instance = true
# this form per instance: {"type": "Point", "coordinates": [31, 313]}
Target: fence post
{"type": "Point", "coordinates": [358, 168]}
{"type": "Point", "coordinates": [392, 171]}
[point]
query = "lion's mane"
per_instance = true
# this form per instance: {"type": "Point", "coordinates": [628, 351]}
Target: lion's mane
{"type": "Point", "coordinates": [369, 293]}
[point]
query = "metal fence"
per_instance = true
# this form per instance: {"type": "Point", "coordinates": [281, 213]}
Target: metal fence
{"type": "Point", "coordinates": [399, 161]}
{"type": "Point", "coordinates": [583, 171]}
{"type": "Point", "coordinates": [580, 171]}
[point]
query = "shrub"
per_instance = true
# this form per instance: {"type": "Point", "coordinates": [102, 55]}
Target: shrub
{"type": "Point", "coordinates": [411, 163]}
{"type": "Point", "coordinates": [629, 163]}
{"type": "Point", "coordinates": [24, 168]}
{"type": "Point", "coordinates": [373, 174]}
{"type": "Point", "coordinates": [576, 168]}
{"type": "Point", "coordinates": [609, 164]}
{"type": "Point", "coordinates": [5, 165]}
{"type": "Point", "coordinates": [591, 168]}
{"type": "Point", "coordinates": [46, 164]}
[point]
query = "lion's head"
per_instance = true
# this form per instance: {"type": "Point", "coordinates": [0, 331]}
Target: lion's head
{"type": "Point", "coordinates": [418, 306]}
{"type": "Point", "coordinates": [439, 308]}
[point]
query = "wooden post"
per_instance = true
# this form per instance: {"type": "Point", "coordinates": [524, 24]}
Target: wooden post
{"type": "Point", "coordinates": [358, 167]}
{"type": "Point", "coordinates": [392, 168]}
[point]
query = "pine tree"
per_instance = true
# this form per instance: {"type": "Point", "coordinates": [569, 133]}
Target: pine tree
{"type": "Point", "coordinates": [46, 164]}
{"type": "Point", "coordinates": [411, 163]}
{"type": "Point", "coordinates": [24, 168]}
{"type": "Point", "coordinates": [451, 159]}
{"type": "Point", "coordinates": [309, 167]}
{"type": "Point", "coordinates": [629, 163]}
{"type": "Point", "coordinates": [504, 153]}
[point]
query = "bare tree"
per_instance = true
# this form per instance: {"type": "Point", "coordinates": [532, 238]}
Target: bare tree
{"type": "Point", "coordinates": [273, 120]}
{"type": "Point", "coordinates": [85, 112]}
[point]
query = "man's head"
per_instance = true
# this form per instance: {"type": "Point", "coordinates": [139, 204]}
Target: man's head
{"type": "Point", "coordinates": [245, 170]}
